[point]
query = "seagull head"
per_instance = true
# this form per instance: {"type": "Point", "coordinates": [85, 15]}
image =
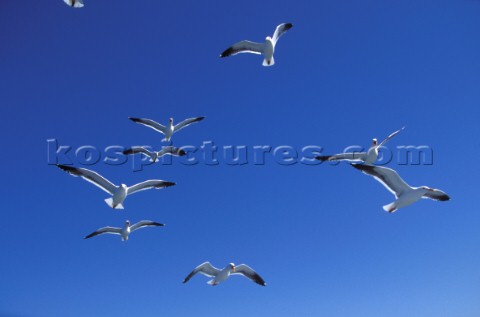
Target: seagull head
{"type": "Point", "coordinates": [268, 38]}
{"type": "Point", "coordinates": [127, 222]}
{"type": "Point", "coordinates": [170, 120]}
{"type": "Point", "coordinates": [232, 267]}
{"type": "Point", "coordinates": [374, 142]}
{"type": "Point", "coordinates": [123, 186]}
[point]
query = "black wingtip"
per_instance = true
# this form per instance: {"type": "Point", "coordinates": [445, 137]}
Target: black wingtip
{"type": "Point", "coordinates": [322, 158]}
{"type": "Point", "coordinates": [134, 119]}
{"type": "Point", "coordinates": [227, 52]}
{"type": "Point", "coordinates": [182, 153]}
{"type": "Point", "coordinates": [444, 198]}
{"type": "Point", "coordinates": [288, 26]}
{"type": "Point", "coordinates": [66, 168]}
{"type": "Point", "coordinates": [169, 184]}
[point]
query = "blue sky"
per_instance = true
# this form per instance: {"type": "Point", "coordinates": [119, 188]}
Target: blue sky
{"type": "Point", "coordinates": [346, 72]}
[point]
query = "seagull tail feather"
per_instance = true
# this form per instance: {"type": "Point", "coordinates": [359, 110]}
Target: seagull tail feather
{"type": "Point", "coordinates": [390, 207]}
{"type": "Point", "coordinates": [270, 62]}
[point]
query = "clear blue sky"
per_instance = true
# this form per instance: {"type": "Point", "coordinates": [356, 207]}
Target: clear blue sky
{"type": "Point", "coordinates": [346, 72]}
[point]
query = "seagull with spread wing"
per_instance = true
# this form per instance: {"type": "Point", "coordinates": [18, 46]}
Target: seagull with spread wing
{"type": "Point", "coordinates": [74, 3]}
{"type": "Point", "coordinates": [404, 193]}
{"type": "Point", "coordinates": [154, 155]}
{"type": "Point", "coordinates": [220, 275]}
{"type": "Point", "coordinates": [266, 48]}
{"type": "Point", "coordinates": [170, 128]}
{"type": "Point", "coordinates": [368, 157]}
{"type": "Point", "coordinates": [126, 230]}
{"type": "Point", "coordinates": [119, 193]}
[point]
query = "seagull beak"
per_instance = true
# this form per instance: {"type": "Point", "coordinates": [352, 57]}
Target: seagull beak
{"type": "Point", "coordinates": [233, 269]}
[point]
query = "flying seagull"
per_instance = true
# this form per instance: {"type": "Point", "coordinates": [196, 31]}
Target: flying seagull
{"type": "Point", "coordinates": [119, 193]}
{"type": "Point", "coordinates": [126, 230]}
{"type": "Point", "coordinates": [404, 193]}
{"type": "Point", "coordinates": [74, 3]}
{"type": "Point", "coordinates": [221, 275]}
{"type": "Point", "coordinates": [168, 130]}
{"type": "Point", "coordinates": [154, 156]}
{"type": "Point", "coordinates": [267, 48]}
{"type": "Point", "coordinates": [368, 157]}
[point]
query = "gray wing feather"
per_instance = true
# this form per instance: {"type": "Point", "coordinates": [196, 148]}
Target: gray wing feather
{"type": "Point", "coordinates": [437, 194]}
{"type": "Point", "coordinates": [145, 223]}
{"type": "Point", "coordinates": [351, 156]}
{"type": "Point", "coordinates": [248, 272]}
{"type": "Point", "coordinates": [280, 30]}
{"type": "Point", "coordinates": [390, 136]}
{"type": "Point", "coordinates": [111, 230]}
{"type": "Point", "coordinates": [186, 123]}
{"type": "Point", "coordinates": [150, 123]}
{"type": "Point", "coordinates": [139, 149]}
{"type": "Point", "coordinates": [386, 176]}
{"type": "Point", "coordinates": [205, 268]}
{"type": "Point", "coordinates": [153, 183]}
{"type": "Point", "coordinates": [90, 176]}
{"type": "Point", "coordinates": [243, 47]}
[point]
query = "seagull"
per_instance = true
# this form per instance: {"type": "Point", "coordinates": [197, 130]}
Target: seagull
{"type": "Point", "coordinates": [74, 3]}
{"type": "Point", "coordinates": [154, 156]}
{"type": "Point", "coordinates": [168, 130]}
{"type": "Point", "coordinates": [126, 230]}
{"type": "Point", "coordinates": [119, 193]}
{"type": "Point", "coordinates": [221, 275]}
{"type": "Point", "coordinates": [367, 157]}
{"type": "Point", "coordinates": [404, 193]}
{"type": "Point", "coordinates": [267, 48]}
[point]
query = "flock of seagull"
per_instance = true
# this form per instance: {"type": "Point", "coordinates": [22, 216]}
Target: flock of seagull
{"type": "Point", "coordinates": [364, 161]}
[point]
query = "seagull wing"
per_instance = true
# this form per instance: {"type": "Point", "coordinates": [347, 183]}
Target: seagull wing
{"type": "Point", "coordinates": [243, 47]}
{"type": "Point", "coordinates": [186, 123]}
{"type": "Point", "coordinates": [139, 149]}
{"type": "Point", "coordinates": [153, 183]}
{"type": "Point", "coordinates": [351, 156]}
{"type": "Point", "coordinates": [247, 271]}
{"type": "Point", "coordinates": [436, 194]}
{"type": "Point", "coordinates": [171, 150]}
{"type": "Point", "coordinates": [74, 3]}
{"type": "Point", "coordinates": [205, 268]}
{"type": "Point", "coordinates": [90, 176]}
{"type": "Point", "coordinates": [280, 30]}
{"type": "Point", "coordinates": [145, 223]}
{"type": "Point", "coordinates": [389, 137]}
{"type": "Point", "coordinates": [111, 230]}
{"type": "Point", "coordinates": [386, 176]}
{"type": "Point", "coordinates": [150, 123]}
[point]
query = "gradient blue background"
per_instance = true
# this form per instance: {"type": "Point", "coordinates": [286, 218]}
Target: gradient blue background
{"type": "Point", "coordinates": [346, 72]}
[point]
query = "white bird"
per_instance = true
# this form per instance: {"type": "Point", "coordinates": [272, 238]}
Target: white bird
{"type": "Point", "coordinates": [168, 130]}
{"type": "Point", "coordinates": [404, 193]}
{"type": "Point", "coordinates": [221, 275]}
{"type": "Point", "coordinates": [267, 48]}
{"type": "Point", "coordinates": [119, 193]}
{"type": "Point", "coordinates": [368, 157]}
{"type": "Point", "coordinates": [126, 230]}
{"type": "Point", "coordinates": [154, 155]}
{"type": "Point", "coordinates": [74, 3]}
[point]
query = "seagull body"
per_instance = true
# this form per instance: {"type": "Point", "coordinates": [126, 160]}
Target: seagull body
{"type": "Point", "coordinates": [126, 230]}
{"type": "Point", "coordinates": [154, 156]}
{"type": "Point", "coordinates": [119, 193]}
{"type": "Point", "coordinates": [266, 49]}
{"type": "Point", "coordinates": [74, 3]}
{"type": "Point", "coordinates": [368, 157]}
{"type": "Point", "coordinates": [404, 193]}
{"type": "Point", "coordinates": [220, 275]}
{"type": "Point", "coordinates": [170, 128]}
